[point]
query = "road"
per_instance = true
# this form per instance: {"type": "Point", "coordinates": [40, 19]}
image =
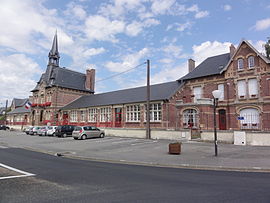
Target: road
{"type": "Point", "coordinates": [60, 179]}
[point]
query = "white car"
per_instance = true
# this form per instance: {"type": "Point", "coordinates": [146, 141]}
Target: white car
{"type": "Point", "coordinates": [51, 130]}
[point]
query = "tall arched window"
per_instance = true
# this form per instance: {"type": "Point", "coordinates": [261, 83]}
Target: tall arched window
{"type": "Point", "coordinates": [190, 118]}
{"type": "Point", "coordinates": [250, 118]}
{"type": "Point", "coordinates": [240, 64]}
{"type": "Point", "coordinates": [251, 63]}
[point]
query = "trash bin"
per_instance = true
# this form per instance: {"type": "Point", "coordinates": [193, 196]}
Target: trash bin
{"type": "Point", "coordinates": [175, 148]}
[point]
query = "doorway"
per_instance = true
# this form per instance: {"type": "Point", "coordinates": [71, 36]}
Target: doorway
{"type": "Point", "coordinates": [118, 117]}
{"type": "Point", "coordinates": [222, 119]}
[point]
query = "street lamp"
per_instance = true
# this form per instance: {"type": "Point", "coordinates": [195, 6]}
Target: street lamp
{"type": "Point", "coordinates": [216, 94]}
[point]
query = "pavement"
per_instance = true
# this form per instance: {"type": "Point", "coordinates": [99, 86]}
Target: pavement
{"type": "Point", "coordinates": [194, 154]}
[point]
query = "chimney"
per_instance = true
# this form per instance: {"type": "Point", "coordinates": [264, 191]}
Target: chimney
{"type": "Point", "coordinates": [90, 79]}
{"type": "Point", "coordinates": [232, 50]}
{"type": "Point", "coordinates": [191, 65]}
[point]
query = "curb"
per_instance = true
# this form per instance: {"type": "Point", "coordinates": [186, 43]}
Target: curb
{"type": "Point", "coordinates": [71, 155]}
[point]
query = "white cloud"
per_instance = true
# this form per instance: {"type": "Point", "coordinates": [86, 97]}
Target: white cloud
{"type": "Point", "coordinates": [201, 14]}
{"type": "Point", "coordinates": [262, 24]}
{"type": "Point", "coordinates": [166, 60]}
{"type": "Point", "coordinates": [134, 28]}
{"type": "Point", "coordinates": [127, 61]}
{"type": "Point", "coordinates": [161, 7]}
{"type": "Point", "coordinates": [183, 27]}
{"type": "Point", "coordinates": [227, 7]}
{"type": "Point", "coordinates": [208, 49]}
{"type": "Point", "coordinates": [76, 11]}
{"type": "Point", "coordinates": [16, 76]}
{"type": "Point", "coordinates": [173, 50]}
{"type": "Point", "coordinates": [93, 51]}
{"type": "Point", "coordinates": [100, 28]}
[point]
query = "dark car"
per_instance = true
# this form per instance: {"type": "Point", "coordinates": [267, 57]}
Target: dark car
{"type": "Point", "coordinates": [4, 127]}
{"type": "Point", "coordinates": [64, 131]}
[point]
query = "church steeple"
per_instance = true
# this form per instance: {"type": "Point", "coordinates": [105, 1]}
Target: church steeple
{"type": "Point", "coordinates": [54, 54]}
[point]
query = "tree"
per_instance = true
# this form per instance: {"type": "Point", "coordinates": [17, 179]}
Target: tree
{"type": "Point", "coordinates": [267, 48]}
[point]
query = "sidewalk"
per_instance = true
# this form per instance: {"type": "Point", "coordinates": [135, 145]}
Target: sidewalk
{"type": "Point", "coordinates": [147, 152]}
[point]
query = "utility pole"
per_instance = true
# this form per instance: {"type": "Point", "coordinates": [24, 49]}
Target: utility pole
{"type": "Point", "coordinates": [6, 112]}
{"type": "Point", "coordinates": [148, 133]}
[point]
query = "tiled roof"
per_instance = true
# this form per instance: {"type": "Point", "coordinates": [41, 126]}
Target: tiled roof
{"type": "Point", "coordinates": [158, 92]}
{"type": "Point", "coordinates": [210, 66]}
{"type": "Point", "coordinates": [19, 102]}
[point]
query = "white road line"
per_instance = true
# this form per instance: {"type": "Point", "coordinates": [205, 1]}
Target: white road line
{"type": "Point", "coordinates": [25, 174]}
{"type": "Point", "coordinates": [3, 147]}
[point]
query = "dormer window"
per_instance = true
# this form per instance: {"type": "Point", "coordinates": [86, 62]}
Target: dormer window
{"type": "Point", "coordinates": [251, 63]}
{"type": "Point", "coordinates": [240, 64]}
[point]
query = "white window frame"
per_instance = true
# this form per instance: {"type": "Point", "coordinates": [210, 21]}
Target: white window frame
{"type": "Point", "coordinates": [221, 88]}
{"type": "Point", "coordinates": [241, 89]}
{"type": "Point", "coordinates": [105, 114]}
{"type": "Point", "coordinates": [155, 112]}
{"type": "Point", "coordinates": [240, 64]}
{"type": "Point", "coordinates": [251, 118]}
{"type": "Point", "coordinates": [190, 114]}
{"type": "Point", "coordinates": [253, 88]}
{"type": "Point", "coordinates": [73, 116]}
{"type": "Point", "coordinates": [82, 113]}
{"type": "Point", "coordinates": [133, 113]}
{"type": "Point", "coordinates": [251, 62]}
{"type": "Point", "coordinates": [197, 92]}
{"type": "Point", "coordinates": [92, 115]}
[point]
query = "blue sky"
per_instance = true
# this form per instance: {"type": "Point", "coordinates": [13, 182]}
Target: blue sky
{"type": "Point", "coordinates": [117, 35]}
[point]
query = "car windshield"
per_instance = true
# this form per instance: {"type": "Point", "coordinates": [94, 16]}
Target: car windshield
{"type": "Point", "coordinates": [49, 128]}
{"type": "Point", "coordinates": [77, 128]}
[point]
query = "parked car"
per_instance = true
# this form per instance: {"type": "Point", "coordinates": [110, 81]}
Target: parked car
{"type": "Point", "coordinates": [64, 131]}
{"type": "Point", "coordinates": [34, 130]}
{"type": "Point", "coordinates": [83, 132]}
{"type": "Point", "coordinates": [51, 130]}
{"type": "Point", "coordinates": [4, 127]}
{"type": "Point", "coordinates": [42, 131]}
{"type": "Point", "coordinates": [28, 129]}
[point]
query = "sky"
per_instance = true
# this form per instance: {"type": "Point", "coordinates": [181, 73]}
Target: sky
{"type": "Point", "coordinates": [114, 36]}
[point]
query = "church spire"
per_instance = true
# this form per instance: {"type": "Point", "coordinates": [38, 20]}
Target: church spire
{"type": "Point", "coordinates": [54, 54]}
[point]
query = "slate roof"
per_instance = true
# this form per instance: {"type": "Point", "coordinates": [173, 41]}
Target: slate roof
{"type": "Point", "coordinates": [2, 110]}
{"type": "Point", "coordinates": [210, 66]}
{"type": "Point", "coordinates": [19, 102]}
{"type": "Point", "coordinates": [158, 92]}
{"type": "Point", "coordinates": [20, 110]}
{"type": "Point", "coordinates": [62, 77]}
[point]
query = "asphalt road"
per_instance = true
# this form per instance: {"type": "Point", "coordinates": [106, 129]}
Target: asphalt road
{"type": "Point", "coordinates": [60, 179]}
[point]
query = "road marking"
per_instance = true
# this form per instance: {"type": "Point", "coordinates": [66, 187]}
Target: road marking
{"type": "Point", "coordinates": [25, 174]}
{"type": "Point", "coordinates": [3, 147]}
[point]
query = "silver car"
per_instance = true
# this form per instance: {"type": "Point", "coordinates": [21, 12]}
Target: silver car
{"type": "Point", "coordinates": [83, 132]}
{"type": "Point", "coordinates": [42, 131]}
{"type": "Point", "coordinates": [51, 130]}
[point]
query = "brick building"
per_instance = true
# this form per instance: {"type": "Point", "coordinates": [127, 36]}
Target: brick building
{"type": "Point", "coordinates": [241, 75]}
{"type": "Point", "coordinates": [57, 87]}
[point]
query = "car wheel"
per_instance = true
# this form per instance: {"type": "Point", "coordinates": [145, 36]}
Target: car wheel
{"type": "Point", "coordinates": [102, 135]}
{"type": "Point", "coordinates": [53, 134]}
{"type": "Point", "coordinates": [75, 138]}
{"type": "Point", "coordinates": [64, 135]}
{"type": "Point", "coordinates": [83, 137]}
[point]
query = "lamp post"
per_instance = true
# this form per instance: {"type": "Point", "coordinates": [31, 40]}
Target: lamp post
{"type": "Point", "coordinates": [216, 94]}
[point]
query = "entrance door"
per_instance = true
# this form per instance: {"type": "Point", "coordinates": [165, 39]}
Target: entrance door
{"type": "Point", "coordinates": [118, 117]}
{"type": "Point", "coordinates": [222, 119]}
{"type": "Point", "coordinates": [65, 118]}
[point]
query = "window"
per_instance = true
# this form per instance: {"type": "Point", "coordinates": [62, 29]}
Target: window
{"type": "Point", "coordinates": [82, 116]}
{"type": "Point", "coordinates": [240, 64]}
{"type": "Point", "coordinates": [133, 113]}
{"type": "Point", "coordinates": [92, 115]}
{"type": "Point", "coordinates": [221, 88]}
{"type": "Point", "coordinates": [251, 118]}
{"type": "Point", "coordinates": [251, 63]}
{"type": "Point", "coordinates": [155, 112]}
{"type": "Point", "coordinates": [105, 114]}
{"type": "Point", "coordinates": [197, 91]}
{"type": "Point", "coordinates": [241, 85]}
{"type": "Point", "coordinates": [190, 118]}
{"type": "Point", "coordinates": [73, 116]}
{"type": "Point", "coordinates": [252, 88]}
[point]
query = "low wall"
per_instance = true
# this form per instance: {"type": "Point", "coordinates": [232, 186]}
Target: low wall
{"type": "Point", "coordinates": [258, 138]}
{"type": "Point", "coordinates": [222, 136]}
{"type": "Point", "coordinates": [155, 133]}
